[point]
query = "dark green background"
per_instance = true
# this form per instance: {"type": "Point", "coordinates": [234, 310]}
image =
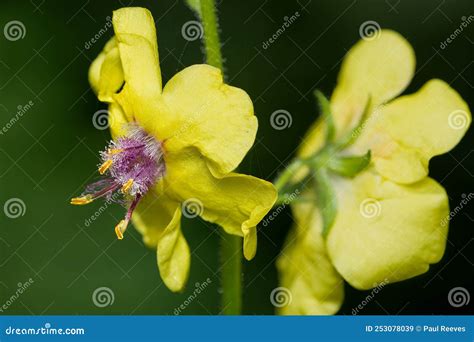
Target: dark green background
{"type": "Point", "coordinates": [48, 155]}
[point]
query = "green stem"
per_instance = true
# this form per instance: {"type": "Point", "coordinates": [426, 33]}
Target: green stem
{"type": "Point", "coordinates": [231, 246]}
{"type": "Point", "coordinates": [211, 34]}
{"type": "Point", "coordinates": [231, 272]}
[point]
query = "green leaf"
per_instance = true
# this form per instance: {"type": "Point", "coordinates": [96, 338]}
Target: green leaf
{"type": "Point", "coordinates": [195, 5]}
{"type": "Point", "coordinates": [352, 136]}
{"type": "Point", "coordinates": [326, 199]}
{"type": "Point", "coordinates": [325, 108]}
{"type": "Point", "coordinates": [349, 166]}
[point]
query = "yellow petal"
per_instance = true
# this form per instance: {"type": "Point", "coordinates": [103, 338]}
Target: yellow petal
{"type": "Point", "coordinates": [216, 118]}
{"type": "Point", "coordinates": [380, 68]}
{"type": "Point", "coordinates": [313, 140]}
{"type": "Point", "coordinates": [111, 76]}
{"type": "Point", "coordinates": [387, 232]}
{"type": "Point", "coordinates": [304, 267]}
{"type": "Point", "coordinates": [94, 72]}
{"type": "Point", "coordinates": [250, 240]}
{"type": "Point", "coordinates": [96, 77]}
{"type": "Point", "coordinates": [106, 78]}
{"type": "Point", "coordinates": [136, 38]}
{"type": "Point", "coordinates": [173, 255]}
{"type": "Point", "coordinates": [236, 202]}
{"type": "Point", "coordinates": [117, 120]}
{"type": "Point", "coordinates": [152, 215]}
{"type": "Point", "coordinates": [151, 114]}
{"type": "Point", "coordinates": [407, 132]}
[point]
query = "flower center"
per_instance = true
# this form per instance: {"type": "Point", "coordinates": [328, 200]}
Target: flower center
{"type": "Point", "coordinates": [131, 165]}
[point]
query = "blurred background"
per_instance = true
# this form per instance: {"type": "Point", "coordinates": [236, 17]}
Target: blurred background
{"type": "Point", "coordinates": [49, 151]}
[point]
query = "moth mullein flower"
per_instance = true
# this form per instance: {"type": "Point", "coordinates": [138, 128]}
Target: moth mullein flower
{"type": "Point", "coordinates": [173, 145]}
{"type": "Point", "coordinates": [391, 219]}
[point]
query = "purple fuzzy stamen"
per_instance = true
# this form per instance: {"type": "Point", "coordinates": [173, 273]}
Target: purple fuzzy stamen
{"type": "Point", "coordinates": [137, 156]}
{"type": "Point", "coordinates": [133, 163]}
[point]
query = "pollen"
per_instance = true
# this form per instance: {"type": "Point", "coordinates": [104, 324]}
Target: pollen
{"type": "Point", "coordinates": [128, 184]}
{"type": "Point", "coordinates": [120, 229]}
{"type": "Point", "coordinates": [82, 200]}
{"type": "Point", "coordinates": [113, 151]}
{"type": "Point", "coordinates": [105, 166]}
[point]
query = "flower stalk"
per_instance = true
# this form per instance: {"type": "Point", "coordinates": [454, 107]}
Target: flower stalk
{"type": "Point", "coordinates": [211, 34]}
{"type": "Point", "coordinates": [230, 247]}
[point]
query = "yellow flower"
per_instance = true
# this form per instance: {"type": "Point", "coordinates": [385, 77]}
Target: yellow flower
{"type": "Point", "coordinates": [390, 223]}
{"type": "Point", "coordinates": [174, 146]}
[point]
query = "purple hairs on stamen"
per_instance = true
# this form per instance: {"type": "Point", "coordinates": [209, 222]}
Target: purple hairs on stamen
{"type": "Point", "coordinates": [140, 158]}
{"type": "Point", "coordinates": [133, 163]}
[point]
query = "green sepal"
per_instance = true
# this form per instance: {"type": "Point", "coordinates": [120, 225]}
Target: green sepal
{"type": "Point", "coordinates": [352, 136]}
{"type": "Point", "coordinates": [349, 166]}
{"type": "Point", "coordinates": [325, 108]}
{"type": "Point", "coordinates": [326, 199]}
